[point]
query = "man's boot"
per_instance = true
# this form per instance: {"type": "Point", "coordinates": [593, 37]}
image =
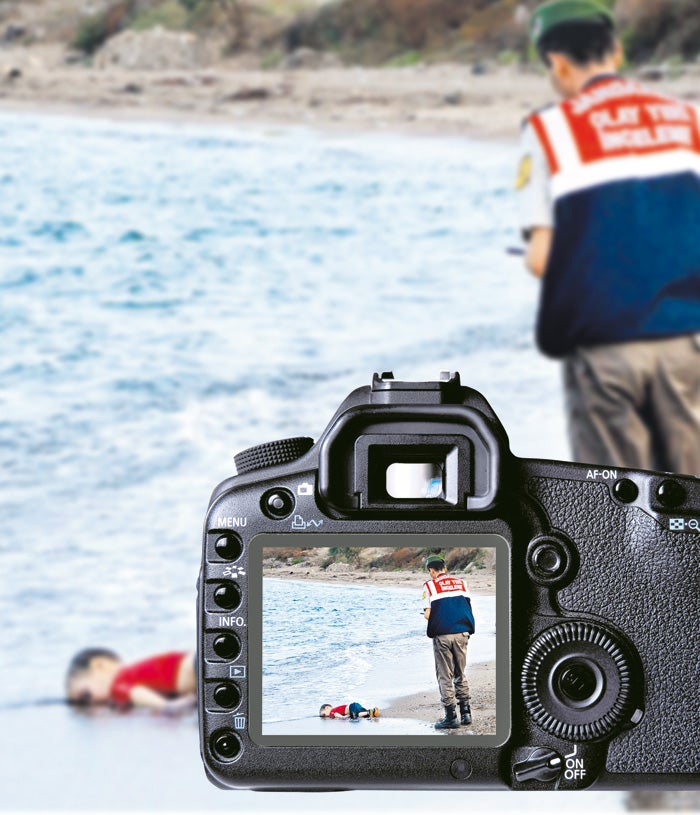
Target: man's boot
{"type": "Point", "coordinates": [450, 722]}
{"type": "Point", "coordinates": [466, 712]}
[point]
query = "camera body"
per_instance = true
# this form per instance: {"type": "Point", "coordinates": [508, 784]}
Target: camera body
{"type": "Point", "coordinates": [589, 657]}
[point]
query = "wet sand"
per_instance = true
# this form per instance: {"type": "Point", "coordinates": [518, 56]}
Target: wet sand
{"type": "Point", "coordinates": [485, 101]}
{"type": "Point", "coordinates": [480, 581]}
{"type": "Point", "coordinates": [426, 705]}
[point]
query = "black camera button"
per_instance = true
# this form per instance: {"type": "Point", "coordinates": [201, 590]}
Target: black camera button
{"type": "Point", "coordinates": [277, 504]}
{"type": "Point", "coordinates": [670, 494]}
{"type": "Point", "coordinates": [461, 769]}
{"type": "Point", "coordinates": [227, 695]}
{"type": "Point", "coordinates": [226, 646]}
{"type": "Point", "coordinates": [225, 745]}
{"type": "Point", "coordinates": [578, 683]}
{"type": "Point", "coordinates": [550, 560]}
{"type": "Point", "coordinates": [227, 596]}
{"type": "Point", "coordinates": [228, 546]}
{"type": "Point", "coordinates": [547, 560]}
{"type": "Point", "coordinates": [625, 490]}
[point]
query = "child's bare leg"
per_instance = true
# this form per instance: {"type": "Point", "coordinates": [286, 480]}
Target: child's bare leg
{"type": "Point", "coordinates": [186, 679]}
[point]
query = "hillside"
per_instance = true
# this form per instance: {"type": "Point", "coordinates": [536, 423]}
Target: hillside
{"type": "Point", "coordinates": [370, 32]}
{"type": "Point", "coordinates": [403, 566]}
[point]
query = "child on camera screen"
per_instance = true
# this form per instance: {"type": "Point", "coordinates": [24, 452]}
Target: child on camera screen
{"type": "Point", "coordinates": [352, 711]}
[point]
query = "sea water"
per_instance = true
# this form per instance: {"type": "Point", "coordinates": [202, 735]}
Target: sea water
{"type": "Point", "coordinates": [170, 295]}
{"type": "Point", "coordinates": [343, 643]}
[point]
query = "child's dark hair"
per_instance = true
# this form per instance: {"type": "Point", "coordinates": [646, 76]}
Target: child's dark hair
{"type": "Point", "coordinates": [320, 712]}
{"type": "Point", "coordinates": [583, 42]}
{"type": "Point", "coordinates": [81, 661]}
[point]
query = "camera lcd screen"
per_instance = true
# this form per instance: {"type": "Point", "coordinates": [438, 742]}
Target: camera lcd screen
{"type": "Point", "coordinates": [342, 652]}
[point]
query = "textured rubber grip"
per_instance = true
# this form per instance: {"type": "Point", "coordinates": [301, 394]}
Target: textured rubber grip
{"type": "Point", "coordinates": [272, 454]}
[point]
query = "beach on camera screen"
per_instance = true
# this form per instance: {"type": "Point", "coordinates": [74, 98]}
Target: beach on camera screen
{"type": "Point", "coordinates": [343, 625]}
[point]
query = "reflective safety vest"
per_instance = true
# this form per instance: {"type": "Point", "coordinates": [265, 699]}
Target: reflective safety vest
{"type": "Point", "coordinates": [450, 606]}
{"type": "Point", "coordinates": [625, 185]}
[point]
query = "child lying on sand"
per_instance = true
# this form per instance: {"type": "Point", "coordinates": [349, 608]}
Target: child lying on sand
{"type": "Point", "coordinates": [165, 683]}
{"type": "Point", "coordinates": [352, 711]}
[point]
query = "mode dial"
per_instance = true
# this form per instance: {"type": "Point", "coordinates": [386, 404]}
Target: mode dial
{"type": "Point", "coordinates": [272, 454]}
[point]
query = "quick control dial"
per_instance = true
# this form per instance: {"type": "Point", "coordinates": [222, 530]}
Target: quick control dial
{"type": "Point", "coordinates": [576, 682]}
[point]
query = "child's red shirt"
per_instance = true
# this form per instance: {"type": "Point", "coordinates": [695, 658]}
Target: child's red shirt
{"type": "Point", "coordinates": [159, 673]}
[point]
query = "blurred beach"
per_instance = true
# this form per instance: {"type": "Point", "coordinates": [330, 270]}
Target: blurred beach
{"type": "Point", "coordinates": [204, 245]}
{"type": "Point", "coordinates": [173, 294]}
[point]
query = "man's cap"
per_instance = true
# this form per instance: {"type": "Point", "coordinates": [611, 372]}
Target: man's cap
{"type": "Point", "coordinates": [434, 560]}
{"type": "Point", "coordinates": [557, 12]}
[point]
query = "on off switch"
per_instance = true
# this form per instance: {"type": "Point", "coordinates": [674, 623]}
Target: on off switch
{"type": "Point", "coordinates": [542, 764]}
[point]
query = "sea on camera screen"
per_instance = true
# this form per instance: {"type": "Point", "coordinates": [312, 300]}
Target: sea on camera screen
{"type": "Point", "coordinates": [376, 639]}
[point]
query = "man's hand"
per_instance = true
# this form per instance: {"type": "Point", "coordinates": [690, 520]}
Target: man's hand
{"type": "Point", "coordinates": [537, 254]}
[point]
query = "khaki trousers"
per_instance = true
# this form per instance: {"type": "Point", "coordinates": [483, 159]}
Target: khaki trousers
{"type": "Point", "coordinates": [450, 651]}
{"type": "Point", "coordinates": [636, 404]}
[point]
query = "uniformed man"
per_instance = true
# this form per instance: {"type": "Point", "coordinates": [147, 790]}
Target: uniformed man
{"type": "Point", "coordinates": [609, 186]}
{"type": "Point", "coordinates": [447, 608]}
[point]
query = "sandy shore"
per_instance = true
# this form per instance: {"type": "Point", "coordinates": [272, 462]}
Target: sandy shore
{"type": "Point", "coordinates": [480, 581]}
{"type": "Point", "coordinates": [451, 100]}
{"type": "Point", "coordinates": [426, 705]}
{"type": "Point", "coordinates": [440, 100]}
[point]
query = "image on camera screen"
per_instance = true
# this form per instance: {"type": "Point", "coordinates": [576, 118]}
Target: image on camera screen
{"type": "Point", "coordinates": [355, 641]}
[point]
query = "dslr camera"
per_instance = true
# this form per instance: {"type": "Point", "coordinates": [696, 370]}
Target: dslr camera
{"type": "Point", "coordinates": [584, 663]}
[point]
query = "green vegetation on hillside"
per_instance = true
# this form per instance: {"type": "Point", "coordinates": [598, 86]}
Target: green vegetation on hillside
{"type": "Point", "coordinates": [195, 15]}
{"type": "Point", "coordinates": [391, 32]}
{"type": "Point", "coordinates": [406, 558]}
